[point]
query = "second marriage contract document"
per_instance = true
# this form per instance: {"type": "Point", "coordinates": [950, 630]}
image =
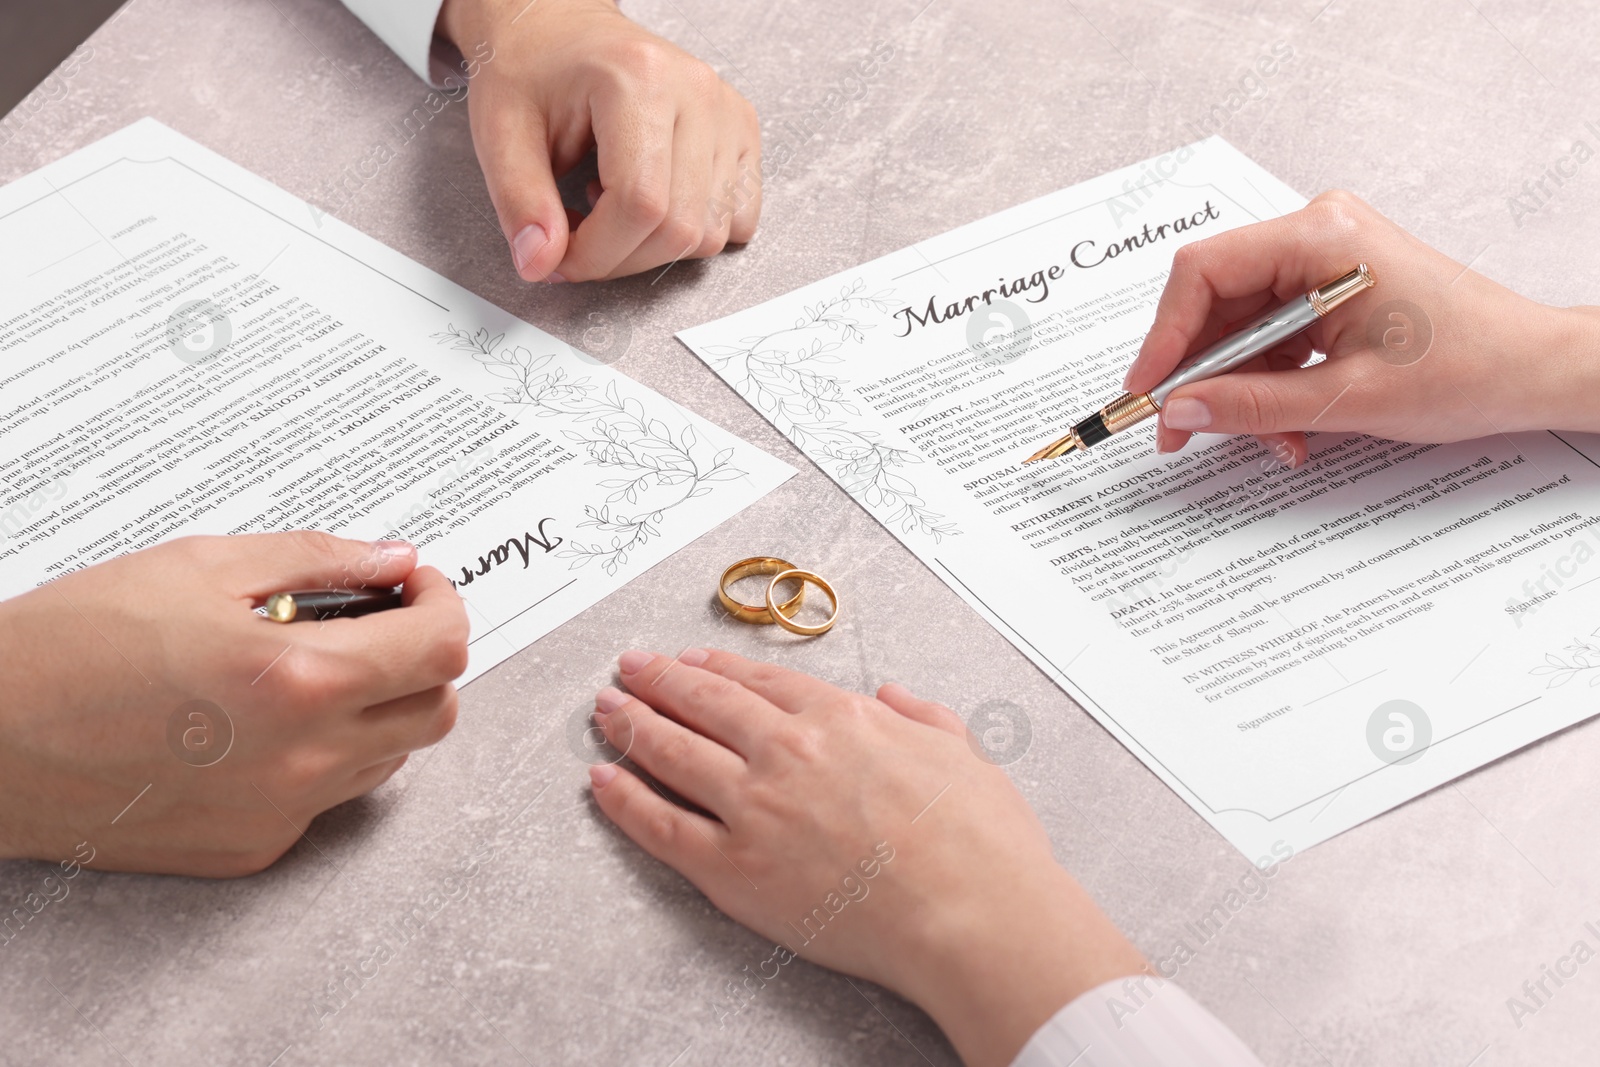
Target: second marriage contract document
{"type": "Point", "coordinates": [187, 349]}
{"type": "Point", "coordinates": [1292, 651]}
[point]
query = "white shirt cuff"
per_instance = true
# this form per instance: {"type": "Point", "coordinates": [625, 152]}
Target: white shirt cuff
{"type": "Point", "coordinates": [1137, 1022]}
{"type": "Point", "coordinates": [406, 26]}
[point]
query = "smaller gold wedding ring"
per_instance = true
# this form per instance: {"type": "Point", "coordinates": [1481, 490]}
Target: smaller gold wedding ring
{"type": "Point", "coordinates": [817, 580]}
{"type": "Point", "coordinates": [755, 614]}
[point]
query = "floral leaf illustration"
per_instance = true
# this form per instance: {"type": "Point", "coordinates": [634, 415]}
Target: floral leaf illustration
{"type": "Point", "coordinates": [780, 374]}
{"type": "Point", "coordinates": [1585, 658]}
{"type": "Point", "coordinates": [661, 452]}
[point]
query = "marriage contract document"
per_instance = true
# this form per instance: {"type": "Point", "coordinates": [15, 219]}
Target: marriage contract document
{"type": "Point", "coordinates": [1293, 652]}
{"type": "Point", "coordinates": [187, 349]}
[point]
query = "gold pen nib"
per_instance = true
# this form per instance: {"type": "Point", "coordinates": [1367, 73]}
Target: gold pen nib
{"type": "Point", "coordinates": [1124, 411]}
{"type": "Point", "coordinates": [1056, 449]}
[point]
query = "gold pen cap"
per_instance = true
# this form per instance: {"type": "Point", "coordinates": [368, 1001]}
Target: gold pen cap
{"type": "Point", "coordinates": [281, 607]}
{"type": "Point", "coordinates": [1324, 298]}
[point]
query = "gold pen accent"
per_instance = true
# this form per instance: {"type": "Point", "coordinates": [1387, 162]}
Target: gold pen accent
{"type": "Point", "coordinates": [1238, 348]}
{"type": "Point", "coordinates": [1126, 410]}
{"type": "Point", "coordinates": [324, 604]}
{"type": "Point", "coordinates": [281, 607]}
{"type": "Point", "coordinates": [1325, 298]}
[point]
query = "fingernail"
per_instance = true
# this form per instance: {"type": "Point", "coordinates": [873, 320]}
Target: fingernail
{"type": "Point", "coordinates": [601, 775]}
{"type": "Point", "coordinates": [554, 278]}
{"type": "Point", "coordinates": [527, 244]}
{"type": "Point", "coordinates": [1186, 413]}
{"type": "Point", "coordinates": [394, 549]}
{"type": "Point", "coordinates": [608, 700]}
{"type": "Point", "coordinates": [634, 661]}
{"type": "Point", "coordinates": [693, 657]}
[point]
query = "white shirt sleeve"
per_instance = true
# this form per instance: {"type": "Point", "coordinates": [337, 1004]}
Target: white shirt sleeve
{"type": "Point", "coordinates": [406, 26]}
{"type": "Point", "coordinates": [1137, 1022]}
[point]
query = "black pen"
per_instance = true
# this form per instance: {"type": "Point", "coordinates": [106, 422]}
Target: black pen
{"type": "Point", "coordinates": [323, 604]}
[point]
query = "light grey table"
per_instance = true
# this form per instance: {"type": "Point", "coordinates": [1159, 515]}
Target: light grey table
{"type": "Point", "coordinates": [1396, 943]}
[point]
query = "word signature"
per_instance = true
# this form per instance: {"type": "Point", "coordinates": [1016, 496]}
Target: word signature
{"type": "Point", "coordinates": [501, 553]}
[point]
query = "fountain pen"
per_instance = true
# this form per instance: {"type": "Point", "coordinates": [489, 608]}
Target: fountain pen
{"type": "Point", "coordinates": [1262, 335]}
{"type": "Point", "coordinates": [324, 604]}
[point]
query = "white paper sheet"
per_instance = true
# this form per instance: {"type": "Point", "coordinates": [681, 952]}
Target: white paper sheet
{"type": "Point", "coordinates": [1292, 652]}
{"type": "Point", "coordinates": [185, 348]}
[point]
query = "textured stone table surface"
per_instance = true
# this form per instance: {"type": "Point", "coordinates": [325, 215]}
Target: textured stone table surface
{"type": "Point", "coordinates": [1396, 943]}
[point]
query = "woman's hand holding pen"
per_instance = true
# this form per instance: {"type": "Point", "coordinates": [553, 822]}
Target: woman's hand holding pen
{"type": "Point", "coordinates": [1460, 357]}
{"type": "Point", "coordinates": [104, 665]}
{"type": "Point", "coordinates": [863, 834]}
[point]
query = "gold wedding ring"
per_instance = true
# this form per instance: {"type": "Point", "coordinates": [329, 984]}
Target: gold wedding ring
{"type": "Point", "coordinates": [786, 621]}
{"type": "Point", "coordinates": [755, 614]}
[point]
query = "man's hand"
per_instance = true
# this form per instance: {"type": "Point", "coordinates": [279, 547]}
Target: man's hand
{"type": "Point", "coordinates": [110, 728]}
{"type": "Point", "coordinates": [679, 151]}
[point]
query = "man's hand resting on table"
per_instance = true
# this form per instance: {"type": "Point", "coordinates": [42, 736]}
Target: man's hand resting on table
{"type": "Point", "coordinates": [679, 151]}
{"type": "Point", "coordinates": [99, 665]}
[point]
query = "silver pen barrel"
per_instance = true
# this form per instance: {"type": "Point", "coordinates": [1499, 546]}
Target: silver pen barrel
{"type": "Point", "coordinates": [1261, 336]}
{"type": "Point", "coordinates": [1237, 349]}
